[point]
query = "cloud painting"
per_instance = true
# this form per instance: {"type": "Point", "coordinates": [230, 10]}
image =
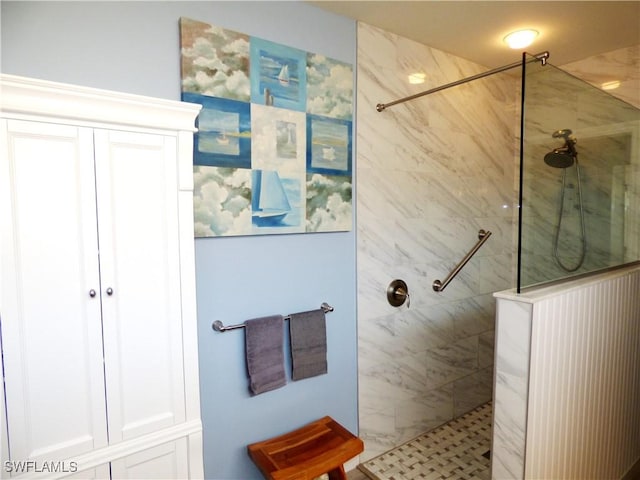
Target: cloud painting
{"type": "Point", "coordinates": [329, 87]}
{"type": "Point", "coordinates": [328, 203]}
{"type": "Point", "coordinates": [221, 201]}
{"type": "Point", "coordinates": [215, 61]}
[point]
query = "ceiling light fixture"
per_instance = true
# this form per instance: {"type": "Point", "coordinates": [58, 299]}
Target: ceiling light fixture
{"type": "Point", "coordinates": [417, 78]}
{"type": "Point", "coordinates": [520, 38]}
{"type": "Point", "coordinates": [610, 85]}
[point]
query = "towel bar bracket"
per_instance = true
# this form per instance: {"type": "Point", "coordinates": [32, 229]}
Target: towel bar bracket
{"type": "Point", "coordinates": [218, 326]}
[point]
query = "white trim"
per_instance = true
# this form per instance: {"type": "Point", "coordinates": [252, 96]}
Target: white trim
{"type": "Point", "coordinates": [27, 96]}
{"type": "Point", "coordinates": [113, 452]}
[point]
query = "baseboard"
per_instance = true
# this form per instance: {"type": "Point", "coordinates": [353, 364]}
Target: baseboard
{"type": "Point", "coordinates": [353, 463]}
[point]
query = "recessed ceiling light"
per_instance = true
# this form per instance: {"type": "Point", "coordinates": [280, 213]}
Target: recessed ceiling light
{"type": "Point", "coordinates": [610, 85]}
{"type": "Point", "coordinates": [416, 78]}
{"type": "Point", "coordinates": [520, 38]}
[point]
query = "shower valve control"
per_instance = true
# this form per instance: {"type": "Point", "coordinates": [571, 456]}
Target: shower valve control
{"type": "Point", "coordinates": [398, 293]}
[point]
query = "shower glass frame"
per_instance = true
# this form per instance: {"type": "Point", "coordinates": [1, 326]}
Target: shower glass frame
{"type": "Point", "coordinates": [607, 135]}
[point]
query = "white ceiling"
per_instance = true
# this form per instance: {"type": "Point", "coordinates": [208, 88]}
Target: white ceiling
{"type": "Point", "coordinates": [569, 30]}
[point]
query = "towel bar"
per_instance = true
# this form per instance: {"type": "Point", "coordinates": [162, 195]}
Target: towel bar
{"type": "Point", "coordinates": [218, 326]}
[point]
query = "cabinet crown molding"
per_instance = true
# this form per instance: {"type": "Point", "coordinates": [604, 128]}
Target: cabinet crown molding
{"type": "Point", "coordinates": [29, 96]}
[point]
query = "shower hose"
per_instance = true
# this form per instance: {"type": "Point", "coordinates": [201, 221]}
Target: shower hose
{"type": "Point", "coordinates": [582, 226]}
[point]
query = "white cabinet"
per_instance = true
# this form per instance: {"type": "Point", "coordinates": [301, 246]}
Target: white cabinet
{"type": "Point", "coordinates": [97, 285]}
{"type": "Point", "coordinates": [161, 462]}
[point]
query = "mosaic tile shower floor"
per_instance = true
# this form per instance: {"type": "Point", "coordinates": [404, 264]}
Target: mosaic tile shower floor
{"type": "Point", "coordinates": [457, 450]}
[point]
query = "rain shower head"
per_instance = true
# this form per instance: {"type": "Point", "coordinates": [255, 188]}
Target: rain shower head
{"type": "Point", "coordinates": [565, 156]}
{"type": "Point", "coordinates": [559, 158]}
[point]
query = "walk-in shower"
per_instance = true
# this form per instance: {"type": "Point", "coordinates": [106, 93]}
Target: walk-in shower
{"type": "Point", "coordinates": [434, 169]}
{"type": "Point", "coordinates": [564, 158]}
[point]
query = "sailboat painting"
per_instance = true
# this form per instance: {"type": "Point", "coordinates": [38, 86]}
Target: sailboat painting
{"type": "Point", "coordinates": [273, 146]}
{"type": "Point", "coordinates": [283, 76]}
{"type": "Point", "coordinates": [223, 138]}
{"type": "Point", "coordinates": [279, 71]}
{"type": "Point", "coordinates": [279, 155]}
{"type": "Point", "coordinates": [269, 203]}
{"type": "Point", "coordinates": [218, 132]}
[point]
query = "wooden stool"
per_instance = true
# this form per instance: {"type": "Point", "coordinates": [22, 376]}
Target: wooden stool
{"type": "Point", "coordinates": [308, 452]}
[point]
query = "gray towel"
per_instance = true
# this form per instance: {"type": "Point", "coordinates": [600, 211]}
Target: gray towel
{"type": "Point", "coordinates": [308, 344]}
{"type": "Point", "coordinates": [265, 353]}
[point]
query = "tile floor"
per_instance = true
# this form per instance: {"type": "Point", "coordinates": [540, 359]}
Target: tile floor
{"type": "Point", "coordinates": [457, 450]}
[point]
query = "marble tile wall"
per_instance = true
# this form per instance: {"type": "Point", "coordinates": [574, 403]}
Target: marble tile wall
{"type": "Point", "coordinates": [430, 174]}
{"type": "Point", "coordinates": [621, 65]}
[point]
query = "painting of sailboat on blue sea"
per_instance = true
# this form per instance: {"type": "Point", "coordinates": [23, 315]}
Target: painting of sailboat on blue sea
{"type": "Point", "coordinates": [278, 75]}
{"type": "Point", "coordinates": [224, 132]}
{"type": "Point", "coordinates": [274, 200]}
{"type": "Point", "coordinates": [219, 132]}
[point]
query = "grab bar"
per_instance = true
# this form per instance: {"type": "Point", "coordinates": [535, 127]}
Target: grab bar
{"type": "Point", "coordinates": [483, 236]}
{"type": "Point", "coordinates": [218, 326]}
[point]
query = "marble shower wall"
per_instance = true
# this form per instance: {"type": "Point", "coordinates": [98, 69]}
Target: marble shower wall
{"type": "Point", "coordinates": [430, 174]}
{"type": "Point", "coordinates": [622, 65]}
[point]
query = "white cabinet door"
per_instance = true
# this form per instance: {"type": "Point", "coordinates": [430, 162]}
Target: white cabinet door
{"type": "Point", "coordinates": [140, 270]}
{"type": "Point", "coordinates": [51, 326]}
{"type": "Point", "coordinates": [169, 460]}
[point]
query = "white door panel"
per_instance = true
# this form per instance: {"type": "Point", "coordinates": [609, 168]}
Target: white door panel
{"type": "Point", "coordinates": [138, 225]}
{"type": "Point", "coordinates": [51, 326]}
{"type": "Point", "coordinates": [166, 461]}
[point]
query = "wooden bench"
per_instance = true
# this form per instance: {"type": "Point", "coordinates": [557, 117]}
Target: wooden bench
{"type": "Point", "coordinates": [308, 452]}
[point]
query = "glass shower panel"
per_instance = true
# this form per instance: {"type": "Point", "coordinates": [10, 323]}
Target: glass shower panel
{"type": "Point", "coordinates": [580, 184]}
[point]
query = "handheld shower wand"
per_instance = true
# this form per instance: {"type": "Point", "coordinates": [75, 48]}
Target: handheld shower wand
{"type": "Point", "coordinates": [563, 158]}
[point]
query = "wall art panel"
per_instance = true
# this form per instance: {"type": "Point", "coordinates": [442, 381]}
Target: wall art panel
{"type": "Point", "coordinates": [273, 151]}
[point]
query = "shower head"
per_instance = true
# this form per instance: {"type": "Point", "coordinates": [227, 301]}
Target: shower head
{"type": "Point", "coordinates": [560, 158]}
{"type": "Point", "coordinates": [565, 156]}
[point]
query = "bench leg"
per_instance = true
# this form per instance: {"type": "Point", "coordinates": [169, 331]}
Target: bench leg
{"type": "Point", "coordinates": [338, 474]}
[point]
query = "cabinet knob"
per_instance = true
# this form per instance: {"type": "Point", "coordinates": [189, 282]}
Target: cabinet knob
{"type": "Point", "coordinates": [109, 291]}
{"type": "Point", "coordinates": [92, 293]}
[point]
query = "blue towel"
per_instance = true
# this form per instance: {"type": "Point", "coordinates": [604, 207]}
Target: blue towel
{"type": "Point", "coordinates": [308, 344]}
{"type": "Point", "coordinates": [265, 353]}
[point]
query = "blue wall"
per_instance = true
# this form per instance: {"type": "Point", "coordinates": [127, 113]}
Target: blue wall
{"type": "Point", "coordinates": [134, 47]}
